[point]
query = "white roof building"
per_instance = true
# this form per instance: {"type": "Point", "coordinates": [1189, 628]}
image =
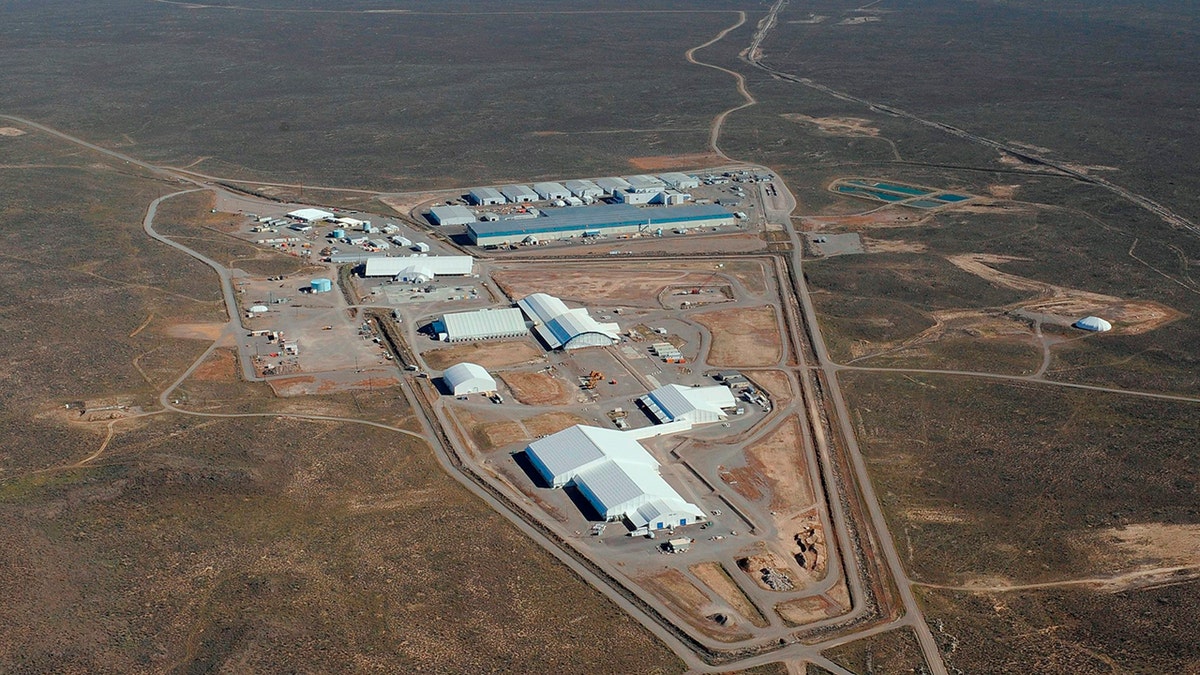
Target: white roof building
{"type": "Point", "coordinates": [551, 190]}
{"type": "Point", "coordinates": [561, 327]}
{"type": "Point", "coordinates": [484, 324]}
{"type": "Point", "coordinates": [408, 268]}
{"type": "Point", "coordinates": [679, 181]}
{"type": "Point", "coordinates": [612, 184]}
{"type": "Point", "coordinates": [644, 183]}
{"type": "Point", "coordinates": [616, 475]}
{"type": "Point", "coordinates": [311, 215]}
{"type": "Point", "coordinates": [518, 194]}
{"type": "Point", "coordinates": [584, 188]}
{"type": "Point", "coordinates": [697, 405]}
{"type": "Point", "coordinates": [468, 378]}
{"type": "Point", "coordinates": [485, 196]}
{"type": "Point", "coordinates": [1094, 324]}
{"type": "Point", "coordinates": [452, 215]}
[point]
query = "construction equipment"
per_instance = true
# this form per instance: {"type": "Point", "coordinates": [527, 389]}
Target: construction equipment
{"type": "Point", "coordinates": [591, 380]}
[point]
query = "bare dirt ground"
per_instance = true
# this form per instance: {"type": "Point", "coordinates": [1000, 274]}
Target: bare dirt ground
{"type": "Point", "coordinates": [221, 366]}
{"type": "Point", "coordinates": [195, 331]}
{"type": "Point", "coordinates": [665, 162]}
{"type": "Point", "coordinates": [807, 610]}
{"type": "Point", "coordinates": [329, 383]}
{"type": "Point", "coordinates": [689, 602]}
{"type": "Point", "coordinates": [750, 273]}
{"type": "Point", "coordinates": [892, 246]}
{"type": "Point", "coordinates": [487, 354]}
{"type": "Point", "coordinates": [407, 202]}
{"type": "Point", "coordinates": [596, 284]}
{"type": "Point", "coordinates": [836, 126]}
{"type": "Point", "coordinates": [743, 337]}
{"type": "Point", "coordinates": [776, 384]}
{"type": "Point", "coordinates": [716, 577]}
{"type": "Point", "coordinates": [763, 558]}
{"type": "Point", "coordinates": [537, 388]}
{"type": "Point", "coordinates": [552, 423]}
{"type": "Point", "coordinates": [1001, 191]}
{"type": "Point", "coordinates": [780, 458]}
{"type": "Point", "coordinates": [876, 218]}
{"type": "Point", "coordinates": [11, 131]}
{"type": "Point", "coordinates": [492, 429]}
{"type": "Point", "coordinates": [1067, 305]}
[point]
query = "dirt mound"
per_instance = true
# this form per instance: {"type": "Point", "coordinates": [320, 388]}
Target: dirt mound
{"type": "Point", "coordinates": [836, 126]}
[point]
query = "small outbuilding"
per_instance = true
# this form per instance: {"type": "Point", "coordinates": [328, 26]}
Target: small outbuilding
{"type": "Point", "coordinates": [468, 378]}
{"type": "Point", "coordinates": [1094, 324]}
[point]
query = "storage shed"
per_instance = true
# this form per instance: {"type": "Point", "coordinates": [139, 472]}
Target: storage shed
{"type": "Point", "coordinates": [468, 378]}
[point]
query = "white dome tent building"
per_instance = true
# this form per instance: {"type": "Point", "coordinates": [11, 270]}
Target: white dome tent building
{"type": "Point", "coordinates": [468, 378]}
{"type": "Point", "coordinates": [1094, 324]}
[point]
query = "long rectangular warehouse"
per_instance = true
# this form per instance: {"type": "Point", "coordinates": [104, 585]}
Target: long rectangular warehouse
{"type": "Point", "coordinates": [605, 219]}
{"type": "Point", "coordinates": [483, 324]}
{"type": "Point", "coordinates": [432, 265]}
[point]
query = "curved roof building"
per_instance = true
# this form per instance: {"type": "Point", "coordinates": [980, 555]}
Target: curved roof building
{"type": "Point", "coordinates": [468, 378]}
{"type": "Point", "coordinates": [565, 328]}
{"type": "Point", "coordinates": [1094, 324]}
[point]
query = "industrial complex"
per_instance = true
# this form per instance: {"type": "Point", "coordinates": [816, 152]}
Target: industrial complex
{"type": "Point", "coordinates": [607, 219]}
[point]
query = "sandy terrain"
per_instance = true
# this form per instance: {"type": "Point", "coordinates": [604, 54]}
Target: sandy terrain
{"type": "Point", "coordinates": [665, 162]}
{"type": "Point", "coordinates": [221, 366]}
{"type": "Point", "coordinates": [776, 384]}
{"type": "Point", "coordinates": [743, 337]}
{"type": "Point", "coordinates": [329, 383]}
{"type": "Point", "coordinates": [836, 126]}
{"type": "Point", "coordinates": [764, 558]}
{"type": "Point", "coordinates": [537, 388]}
{"type": "Point", "coordinates": [806, 610]}
{"type": "Point", "coordinates": [1067, 305]}
{"type": "Point", "coordinates": [551, 423]}
{"type": "Point", "coordinates": [196, 331]}
{"type": "Point", "coordinates": [596, 283]}
{"type": "Point", "coordinates": [689, 602]}
{"type": "Point", "coordinates": [487, 354]}
{"type": "Point", "coordinates": [11, 131]}
{"type": "Point", "coordinates": [892, 246]}
{"type": "Point", "coordinates": [716, 577]}
{"type": "Point", "coordinates": [780, 458]}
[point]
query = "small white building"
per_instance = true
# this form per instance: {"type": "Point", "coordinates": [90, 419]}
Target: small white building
{"type": "Point", "coordinates": [468, 378]}
{"type": "Point", "coordinates": [697, 405]}
{"type": "Point", "coordinates": [485, 196]}
{"type": "Point", "coordinates": [551, 190]}
{"type": "Point", "coordinates": [644, 183]}
{"type": "Point", "coordinates": [452, 215]}
{"type": "Point", "coordinates": [679, 181]}
{"type": "Point", "coordinates": [612, 184]}
{"type": "Point", "coordinates": [518, 194]}
{"type": "Point", "coordinates": [311, 215]}
{"type": "Point", "coordinates": [584, 189]}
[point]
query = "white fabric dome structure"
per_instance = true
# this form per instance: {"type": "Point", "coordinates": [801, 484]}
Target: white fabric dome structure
{"type": "Point", "coordinates": [1094, 324]}
{"type": "Point", "coordinates": [468, 378]}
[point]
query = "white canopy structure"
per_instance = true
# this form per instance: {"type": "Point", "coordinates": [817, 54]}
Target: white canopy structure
{"type": "Point", "coordinates": [561, 327]}
{"type": "Point", "coordinates": [468, 378]}
{"type": "Point", "coordinates": [419, 268]}
{"type": "Point", "coordinates": [1094, 324]}
{"type": "Point", "coordinates": [616, 475]}
{"type": "Point", "coordinates": [697, 405]}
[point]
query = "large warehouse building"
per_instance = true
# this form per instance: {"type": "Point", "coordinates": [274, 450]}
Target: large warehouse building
{"type": "Point", "coordinates": [311, 215]}
{"type": "Point", "coordinates": [605, 219]}
{"type": "Point", "coordinates": [697, 405]}
{"type": "Point", "coordinates": [611, 184]}
{"type": "Point", "coordinates": [584, 189]}
{"type": "Point", "coordinates": [483, 324]}
{"type": "Point", "coordinates": [485, 196]}
{"type": "Point", "coordinates": [551, 190]}
{"type": "Point", "coordinates": [615, 474]}
{"type": "Point", "coordinates": [518, 194]}
{"type": "Point", "coordinates": [419, 269]}
{"type": "Point", "coordinates": [468, 378]}
{"type": "Point", "coordinates": [452, 215]}
{"type": "Point", "coordinates": [561, 327]}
